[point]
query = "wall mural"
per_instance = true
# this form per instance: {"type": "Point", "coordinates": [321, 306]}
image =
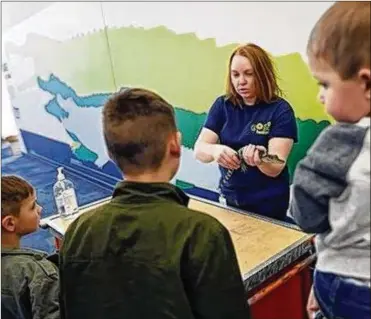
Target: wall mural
{"type": "Point", "coordinates": [59, 88]}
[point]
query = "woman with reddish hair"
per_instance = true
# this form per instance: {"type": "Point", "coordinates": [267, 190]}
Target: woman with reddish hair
{"type": "Point", "coordinates": [250, 121]}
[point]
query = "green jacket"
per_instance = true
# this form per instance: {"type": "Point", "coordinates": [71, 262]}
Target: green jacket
{"type": "Point", "coordinates": [146, 255]}
{"type": "Point", "coordinates": [29, 285]}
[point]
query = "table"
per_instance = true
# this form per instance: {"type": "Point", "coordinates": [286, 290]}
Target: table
{"type": "Point", "coordinates": [274, 257]}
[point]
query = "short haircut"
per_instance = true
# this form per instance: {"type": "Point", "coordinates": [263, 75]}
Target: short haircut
{"type": "Point", "coordinates": [266, 84]}
{"type": "Point", "coordinates": [341, 38]}
{"type": "Point", "coordinates": [136, 125]}
{"type": "Point", "coordinates": [14, 190]}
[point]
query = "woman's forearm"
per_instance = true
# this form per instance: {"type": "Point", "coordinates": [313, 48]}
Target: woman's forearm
{"type": "Point", "coordinates": [204, 152]}
{"type": "Point", "coordinates": [282, 148]}
{"type": "Point", "coordinates": [271, 169]}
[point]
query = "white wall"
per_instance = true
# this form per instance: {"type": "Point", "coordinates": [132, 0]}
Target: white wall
{"type": "Point", "coordinates": [13, 13]}
{"type": "Point", "coordinates": [8, 126]}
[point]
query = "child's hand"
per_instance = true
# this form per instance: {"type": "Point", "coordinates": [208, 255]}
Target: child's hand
{"type": "Point", "coordinates": [312, 305]}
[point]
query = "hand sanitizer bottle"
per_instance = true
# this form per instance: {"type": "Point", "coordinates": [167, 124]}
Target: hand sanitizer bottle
{"type": "Point", "coordinates": [65, 196]}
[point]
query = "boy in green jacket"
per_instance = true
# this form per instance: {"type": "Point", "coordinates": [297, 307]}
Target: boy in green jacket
{"type": "Point", "coordinates": [145, 254]}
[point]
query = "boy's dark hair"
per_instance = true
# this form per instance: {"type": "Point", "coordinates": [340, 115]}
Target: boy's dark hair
{"type": "Point", "coordinates": [341, 38]}
{"type": "Point", "coordinates": [14, 190]}
{"type": "Point", "coordinates": [136, 126]}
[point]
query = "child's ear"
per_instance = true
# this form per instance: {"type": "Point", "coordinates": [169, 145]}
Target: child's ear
{"type": "Point", "coordinates": [175, 145]}
{"type": "Point", "coordinates": [8, 223]}
{"type": "Point", "coordinates": [365, 77]}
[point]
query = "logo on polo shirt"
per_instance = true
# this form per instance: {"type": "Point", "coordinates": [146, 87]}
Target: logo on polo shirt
{"type": "Point", "coordinates": [261, 128]}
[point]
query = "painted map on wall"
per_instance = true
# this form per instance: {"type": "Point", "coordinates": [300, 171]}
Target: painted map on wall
{"type": "Point", "coordinates": [70, 80]}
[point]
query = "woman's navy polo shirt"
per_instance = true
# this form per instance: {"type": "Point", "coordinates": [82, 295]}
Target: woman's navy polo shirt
{"type": "Point", "coordinates": [239, 126]}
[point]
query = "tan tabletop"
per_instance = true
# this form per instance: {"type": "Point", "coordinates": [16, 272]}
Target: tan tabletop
{"type": "Point", "coordinates": [263, 246]}
{"type": "Point", "coordinates": [255, 240]}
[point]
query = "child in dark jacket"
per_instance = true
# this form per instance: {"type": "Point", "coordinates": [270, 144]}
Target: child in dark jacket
{"type": "Point", "coordinates": [145, 254]}
{"type": "Point", "coordinates": [29, 281]}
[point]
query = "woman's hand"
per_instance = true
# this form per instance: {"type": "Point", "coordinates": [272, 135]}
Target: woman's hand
{"type": "Point", "coordinates": [312, 304]}
{"type": "Point", "coordinates": [251, 154]}
{"type": "Point", "coordinates": [226, 157]}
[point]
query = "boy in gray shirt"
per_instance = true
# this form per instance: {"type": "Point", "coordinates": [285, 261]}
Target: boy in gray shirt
{"type": "Point", "coordinates": [331, 187]}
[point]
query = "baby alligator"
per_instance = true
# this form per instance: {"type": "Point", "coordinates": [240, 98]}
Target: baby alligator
{"type": "Point", "coordinates": [264, 156]}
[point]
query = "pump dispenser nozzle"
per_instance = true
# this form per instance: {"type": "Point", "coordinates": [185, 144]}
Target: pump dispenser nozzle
{"type": "Point", "coordinates": [60, 176]}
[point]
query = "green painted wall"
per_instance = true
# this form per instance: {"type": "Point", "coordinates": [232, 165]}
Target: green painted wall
{"type": "Point", "coordinates": [189, 72]}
